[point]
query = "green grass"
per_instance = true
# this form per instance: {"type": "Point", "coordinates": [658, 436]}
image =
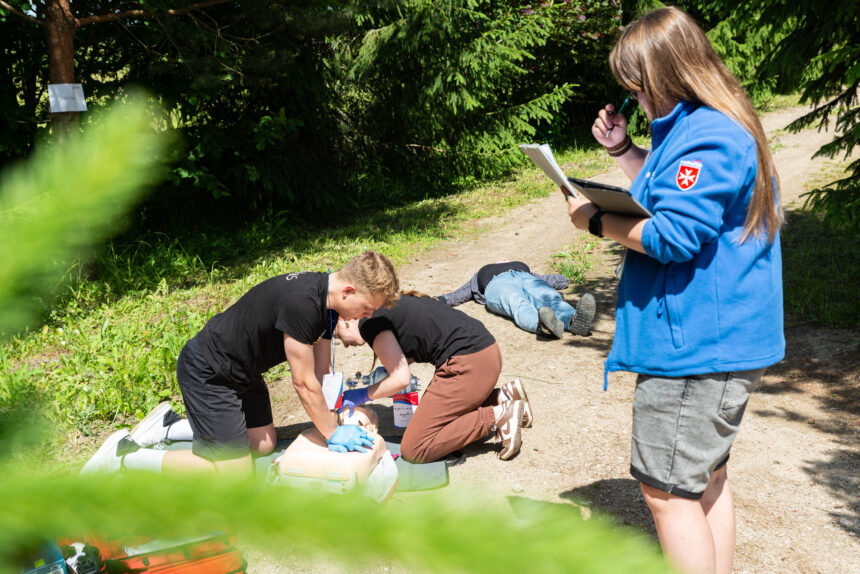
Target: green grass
{"type": "Point", "coordinates": [106, 352]}
{"type": "Point", "coordinates": [821, 265]}
{"type": "Point", "coordinates": [574, 261]}
{"type": "Point", "coordinates": [779, 102]}
{"type": "Point", "coordinates": [821, 272]}
{"type": "Point", "coordinates": [447, 533]}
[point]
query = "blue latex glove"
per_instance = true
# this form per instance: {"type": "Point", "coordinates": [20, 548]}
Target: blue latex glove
{"type": "Point", "coordinates": [349, 437]}
{"type": "Point", "coordinates": [353, 398]}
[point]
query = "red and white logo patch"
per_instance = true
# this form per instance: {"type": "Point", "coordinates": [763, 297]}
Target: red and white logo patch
{"type": "Point", "coordinates": [688, 174]}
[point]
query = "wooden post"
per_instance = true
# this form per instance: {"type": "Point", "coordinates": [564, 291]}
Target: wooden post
{"type": "Point", "coordinates": [61, 25]}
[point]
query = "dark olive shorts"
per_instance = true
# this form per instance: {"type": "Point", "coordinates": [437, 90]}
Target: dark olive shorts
{"type": "Point", "coordinates": [220, 412]}
{"type": "Point", "coordinates": [683, 428]}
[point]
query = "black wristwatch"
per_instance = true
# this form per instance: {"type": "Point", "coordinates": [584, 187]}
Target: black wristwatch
{"type": "Point", "coordinates": [595, 225]}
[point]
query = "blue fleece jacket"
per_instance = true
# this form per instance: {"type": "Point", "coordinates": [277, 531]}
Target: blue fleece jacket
{"type": "Point", "coordinates": [699, 301]}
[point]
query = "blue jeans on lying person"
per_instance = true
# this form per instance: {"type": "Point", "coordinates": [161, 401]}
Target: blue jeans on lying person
{"type": "Point", "coordinates": [519, 295]}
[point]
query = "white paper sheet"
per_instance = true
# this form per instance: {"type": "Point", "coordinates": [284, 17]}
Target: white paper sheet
{"type": "Point", "coordinates": [542, 155]}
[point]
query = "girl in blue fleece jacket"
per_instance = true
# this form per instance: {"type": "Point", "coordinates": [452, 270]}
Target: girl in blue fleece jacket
{"type": "Point", "coordinates": [699, 312]}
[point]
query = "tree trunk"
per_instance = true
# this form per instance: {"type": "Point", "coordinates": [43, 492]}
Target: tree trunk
{"type": "Point", "coordinates": [61, 26]}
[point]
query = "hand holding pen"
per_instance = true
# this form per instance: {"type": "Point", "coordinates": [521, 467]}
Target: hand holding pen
{"type": "Point", "coordinates": [618, 113]}
{"type": "Point", "coordinates": [606, 121]}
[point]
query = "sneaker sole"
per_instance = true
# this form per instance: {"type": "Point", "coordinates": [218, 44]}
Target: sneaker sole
{"type": "Point", "coordinates": [517, 386]}
{"type": "Point", "coordinates": [516, 440]}
{"type": "Point", "coordinates": [550, 322]}
{"type": "Point", "coordinates": [153, 420]}
{"type": "Point", "coordinates": [584, 315]}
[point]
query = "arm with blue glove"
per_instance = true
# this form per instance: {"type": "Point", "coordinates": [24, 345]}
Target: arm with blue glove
{"type": "Point", "coordinates": [394, 373]}
{"type": "Point", "coordinates": [353, 398]}
{"type": "Point", "coordinates": [349, 437]}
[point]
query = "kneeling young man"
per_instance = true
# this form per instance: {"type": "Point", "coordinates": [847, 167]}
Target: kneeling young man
{"type": "Point", "coordinates": [285, 318]}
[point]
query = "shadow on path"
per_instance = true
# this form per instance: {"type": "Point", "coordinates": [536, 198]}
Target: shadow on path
{"type": "Point", "coordinates": [822, 367]}
{"type": "Point", "coordinates": [839, 474]}
{"type": "Point", "coordinates": [619, 498]}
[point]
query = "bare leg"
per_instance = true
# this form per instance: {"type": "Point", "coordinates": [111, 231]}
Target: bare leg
{"type": "Point", "coordinates": [263, 441]}
{"type": "Point", "coordinates": [719, 507]}
{"type": "Point", "coordinates": [683, 529]}
{"type": "Point", "coordinates": [185, 461]}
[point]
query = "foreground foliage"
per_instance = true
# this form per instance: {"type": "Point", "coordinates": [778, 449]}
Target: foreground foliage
{"type": "Point", "coordinates": [65, 200]}
{"type": "Point", "coordinates": [444, 535]}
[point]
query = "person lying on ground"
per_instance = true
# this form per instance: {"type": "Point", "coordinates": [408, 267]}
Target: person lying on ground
{"type": "Point", "coordinates": [510, 289]}
{"type": "Point", "coordinates": [460, 405]}
{"type": "Point", "coordinates": [289, 318]}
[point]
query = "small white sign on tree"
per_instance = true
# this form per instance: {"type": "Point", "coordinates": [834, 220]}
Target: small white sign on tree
{"type": "Point", "coordinates": [66, 98]}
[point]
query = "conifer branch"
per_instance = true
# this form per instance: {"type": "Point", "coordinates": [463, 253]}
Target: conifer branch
{"type": "Point", "coordinates": [125, 14]}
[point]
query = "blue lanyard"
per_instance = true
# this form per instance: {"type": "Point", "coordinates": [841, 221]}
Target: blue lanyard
{"type": "Point", "coordinates": [330, 319]}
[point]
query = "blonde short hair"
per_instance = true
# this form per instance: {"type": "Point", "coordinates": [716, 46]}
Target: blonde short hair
{"type": "Point", "coordinates": [373, 273]}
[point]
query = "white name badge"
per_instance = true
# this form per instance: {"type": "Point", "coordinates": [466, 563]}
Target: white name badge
{"type": "Point", "coordinates": [332, 388]}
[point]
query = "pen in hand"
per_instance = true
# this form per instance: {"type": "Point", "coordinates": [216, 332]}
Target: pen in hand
{"type": "Point", "coordinates": [620, 111]}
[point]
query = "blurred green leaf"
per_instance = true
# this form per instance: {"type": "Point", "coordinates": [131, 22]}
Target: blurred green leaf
{"type": "Point", "coordinates": [66, 197]}
{"type": "Point", "coordinates": [432, 533]}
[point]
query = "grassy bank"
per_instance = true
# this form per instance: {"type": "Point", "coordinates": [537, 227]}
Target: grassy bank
{"type": "Point", "coordinates": [821, 266]}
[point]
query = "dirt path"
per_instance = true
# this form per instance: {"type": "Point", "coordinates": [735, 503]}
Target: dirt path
{"type": "Point", "coordinates": [795, 464]}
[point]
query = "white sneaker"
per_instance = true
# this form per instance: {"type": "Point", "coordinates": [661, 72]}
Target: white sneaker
{"type": "Point", "coordinates": [108, 458]}
{"type": "Point", "coordinates": [153, 428]}
{"type": "Point", "coordinates": [514, 391]}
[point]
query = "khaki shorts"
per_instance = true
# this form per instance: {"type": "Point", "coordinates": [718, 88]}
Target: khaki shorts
{"type": "Point", "coordinates": [683, 428]}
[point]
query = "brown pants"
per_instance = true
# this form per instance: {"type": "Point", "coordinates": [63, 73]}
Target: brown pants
{"type": "Point", "coordinates": [450, 414]}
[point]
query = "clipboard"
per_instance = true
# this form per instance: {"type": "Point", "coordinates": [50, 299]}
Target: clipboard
{"type": "Point", "coordinates": [610, 198]}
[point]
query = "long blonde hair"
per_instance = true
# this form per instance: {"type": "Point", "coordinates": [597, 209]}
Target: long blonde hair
{"type": "Point", "coordinates": [667, 55]}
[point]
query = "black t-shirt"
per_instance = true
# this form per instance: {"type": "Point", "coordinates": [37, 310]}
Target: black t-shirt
{"type": "Point", "coordinates": [487, 272]}
{"type": "Point", "coordinates": [428, 330]}
{"type": "Point", "coordinates": [248, 338]}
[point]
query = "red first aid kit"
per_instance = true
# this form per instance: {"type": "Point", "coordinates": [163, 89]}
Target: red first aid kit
{"type": "Point", "coordinates": [213, 553]}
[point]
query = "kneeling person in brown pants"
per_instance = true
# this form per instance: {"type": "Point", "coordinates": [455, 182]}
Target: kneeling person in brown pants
{"type": "Point", "coordinates": [459, 406]}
